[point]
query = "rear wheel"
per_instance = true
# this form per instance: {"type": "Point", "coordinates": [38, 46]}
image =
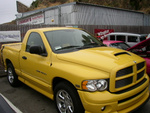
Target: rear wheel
{"type": "Point", "coordinates": [67, 99]}
{"type": "Point", "coordinates": [11, 76]}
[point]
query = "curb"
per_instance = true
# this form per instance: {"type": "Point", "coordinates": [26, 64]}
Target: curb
{"type": "Point", "coordinates": [6, 106]}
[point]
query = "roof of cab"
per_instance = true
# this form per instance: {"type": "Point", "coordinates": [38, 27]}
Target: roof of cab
{"type": "Point", "coordinates": [53, 28]}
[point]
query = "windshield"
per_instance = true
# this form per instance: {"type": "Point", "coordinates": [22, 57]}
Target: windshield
{"type": "Point", "coordinates": [62, 41]}
{"type": "Point", "coordinates": [120, 45]}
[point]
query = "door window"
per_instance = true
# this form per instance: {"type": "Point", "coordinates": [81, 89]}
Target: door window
{"type": "Point", "coordinates": [121, 38]}
{"type": "Point", "coordinates": [112, 37]}
{"type": "Point", "coordinates": [35, 40]}
{"type": "Point", "coordinates": [132, 39]}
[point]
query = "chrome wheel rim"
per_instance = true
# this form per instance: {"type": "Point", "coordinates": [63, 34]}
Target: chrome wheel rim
{"type": "Point", "coordinates": [64, 102]}
{"type": "Point", "coordinates": [10, 75]}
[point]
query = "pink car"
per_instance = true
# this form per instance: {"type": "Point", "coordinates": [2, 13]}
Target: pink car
{"type": "Point", "coordinates": [142, 49]}
{"type": "Point", "coordinates": [117, 44]}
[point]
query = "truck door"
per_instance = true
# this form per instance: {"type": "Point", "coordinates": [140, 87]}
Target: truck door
{"type": "Point", "coordinates": [34, 66]}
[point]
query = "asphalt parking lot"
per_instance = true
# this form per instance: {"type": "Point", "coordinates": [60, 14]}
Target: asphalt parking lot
{"type": "Point", "coordinates": [27, 100]}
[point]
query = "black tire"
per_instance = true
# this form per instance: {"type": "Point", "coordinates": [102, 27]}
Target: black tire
{"type": "Point", "coordinates": [67, 99]}
{"type": "Point", "coordinates": [11, 76]}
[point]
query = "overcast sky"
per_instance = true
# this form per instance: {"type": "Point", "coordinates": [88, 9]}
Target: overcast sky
{"type": "Point", "coordinates": [8, 9]}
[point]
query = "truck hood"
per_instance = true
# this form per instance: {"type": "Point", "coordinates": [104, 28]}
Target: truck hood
{"type": "Point", "coordinates": [102, 58]}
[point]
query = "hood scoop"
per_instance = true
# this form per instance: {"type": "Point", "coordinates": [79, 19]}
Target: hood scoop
{"type": "Point", "coordinates": [121, 53]}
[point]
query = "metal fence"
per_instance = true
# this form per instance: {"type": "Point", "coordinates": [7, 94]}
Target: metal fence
{"type": "Point", "coordinates": [90, 28]}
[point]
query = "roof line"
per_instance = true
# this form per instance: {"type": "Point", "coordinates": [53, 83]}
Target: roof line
{"type": "Point", "coordinates": [109, 7]}
{"type": "Point", "coordinates": [74, 3]}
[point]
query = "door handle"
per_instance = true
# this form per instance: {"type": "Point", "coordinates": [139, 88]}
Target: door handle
{"type": "Point", "coordinates": [24, 57]}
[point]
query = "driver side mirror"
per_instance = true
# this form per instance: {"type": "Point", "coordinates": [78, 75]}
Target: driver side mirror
{"type": "Point", "coordinates": [37, 50]}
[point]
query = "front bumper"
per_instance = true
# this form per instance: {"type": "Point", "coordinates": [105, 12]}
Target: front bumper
{"type": "Point", "coordinates": [106, 102]}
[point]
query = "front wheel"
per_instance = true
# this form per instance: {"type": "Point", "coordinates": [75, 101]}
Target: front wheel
{"type": "Point", "coordinates": [11, 76]}
{"type": "Point", "coordinates": [67, 99]}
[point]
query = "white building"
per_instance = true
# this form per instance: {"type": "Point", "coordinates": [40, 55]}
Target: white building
{"type": "Point", "coordinates": [77, 13]}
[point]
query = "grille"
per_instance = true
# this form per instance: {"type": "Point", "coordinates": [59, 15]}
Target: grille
{"type": "Point", "coordinates": [128, 79]}
{"type": "Point", "coordinates": [133, 87]}
{"type": "Point", "coordinates": [140, 65]}
{"type": "Point", "coordinates": [124, 71]}
{"type": "Point", "coordinates": [140, 75]}
{"type": "Point", "coordinates": [124, 82]}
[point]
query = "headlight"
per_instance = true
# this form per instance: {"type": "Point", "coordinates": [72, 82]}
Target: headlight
{"type": "Point", "coordinates": [95, 85]}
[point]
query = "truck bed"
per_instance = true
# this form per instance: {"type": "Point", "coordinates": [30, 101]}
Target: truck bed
{"type": "Point", "coordinates": [11, 52]}
{"type": "Point", "coordinates": [13, 47]}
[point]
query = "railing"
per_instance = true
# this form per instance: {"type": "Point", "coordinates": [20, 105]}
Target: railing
{"type": "Point", "coordinates": [90, 28]}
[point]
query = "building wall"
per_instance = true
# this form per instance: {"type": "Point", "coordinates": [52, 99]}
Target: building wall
{"type": "Point", "coordinates": [60, 15]}
{"type": "Point", "coordinates": [86, 14]}
{"type": "Point", "coordinates": [67, 15]}
{"type": "Point", "coordinates": [146, 20]}
{"type": "Point", "coordinates": [51, 16]}
{"type": "Point", "coordinates": [94, 15]}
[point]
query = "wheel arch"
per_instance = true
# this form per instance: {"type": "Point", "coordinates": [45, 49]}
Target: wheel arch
{"type": "Point", "coordinates": [57, 80]}
{"type": "Point", "coordinates": [12, 77]}
{"type": "Point", "coordinates": [8, 62]}
{"type": "Point", "coordinates": [71, 90]}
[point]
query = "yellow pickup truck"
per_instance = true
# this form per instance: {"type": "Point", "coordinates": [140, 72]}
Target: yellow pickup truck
{"type": "Point", "coordinates": [77, 71]}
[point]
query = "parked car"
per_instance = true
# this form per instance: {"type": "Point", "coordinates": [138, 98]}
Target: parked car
{"type": "Point", "coordinates": [129, 38]}
{"type": "Point", "coordinates": [142, 49]}
{"type": "Point", "coordinates": [117, 44]}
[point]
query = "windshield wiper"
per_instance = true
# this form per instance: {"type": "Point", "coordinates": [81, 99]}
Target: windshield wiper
{"type": "Point", "coordinates": [67, 47]}
{"type": "Point", "coordinates": [90, 45]}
